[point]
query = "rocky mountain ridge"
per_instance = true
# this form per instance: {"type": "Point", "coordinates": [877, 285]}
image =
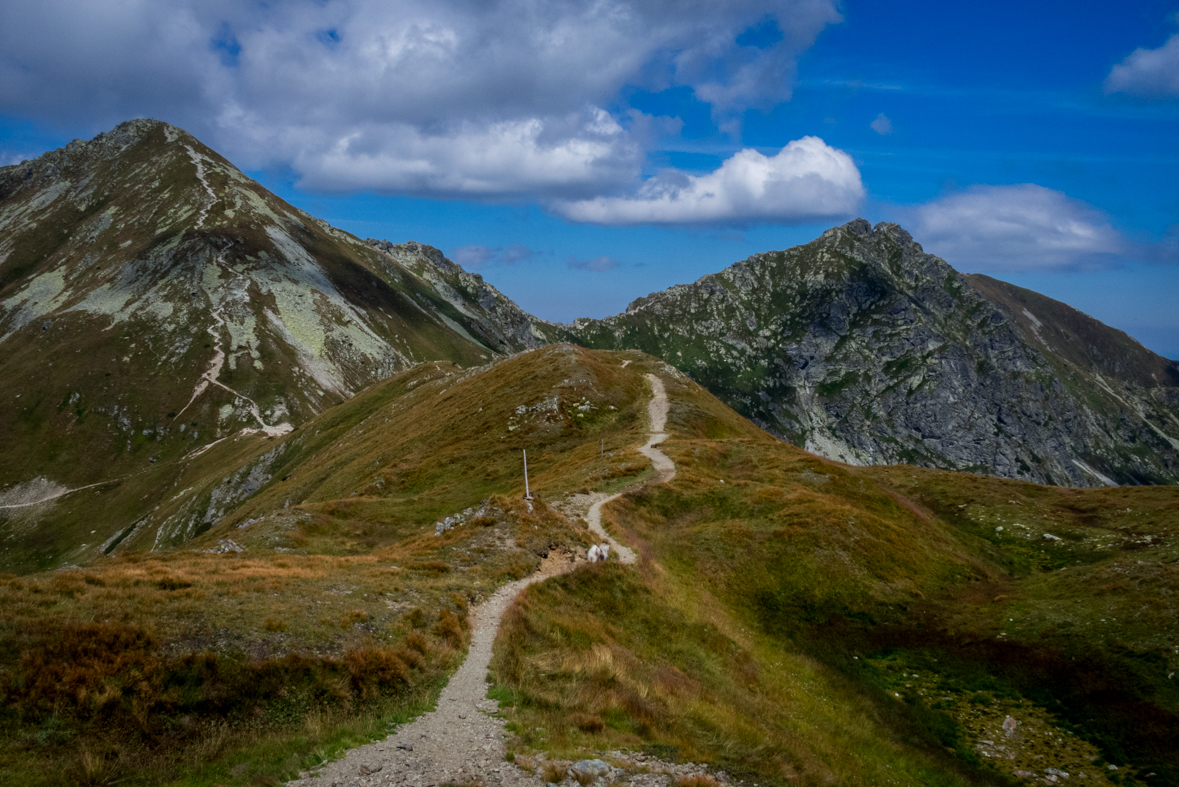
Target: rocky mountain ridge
{"type": "Point", "coordinates": [154, 299]}
{"type": "Point", "coordinates": [499, 322]}
{"type": "Point", "coordinates": [861, 347]}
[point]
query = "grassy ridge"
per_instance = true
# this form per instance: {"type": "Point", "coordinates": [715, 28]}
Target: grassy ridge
{"type": "Point", "coordinates": [784, 601]}
{"type": "Point", "coordinates": [343, 612]}
{"type": "Point", "coordinates": [791, 619]}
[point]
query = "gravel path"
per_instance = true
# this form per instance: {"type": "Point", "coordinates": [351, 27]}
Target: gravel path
{"type": "Point", "coordinates": [459, 742]}
{"type": "Point", "coordinates": [657, 410]}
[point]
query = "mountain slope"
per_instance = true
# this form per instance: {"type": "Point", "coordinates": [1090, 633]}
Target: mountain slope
{"type": "Point", "coordinates": [1063, 333]}
{"type": "Point", "coordinates": [154, 299]}
{"type": "Point", "coordinates": [861, 347]}
{"type": "Point", "coordinates": [791, 620]}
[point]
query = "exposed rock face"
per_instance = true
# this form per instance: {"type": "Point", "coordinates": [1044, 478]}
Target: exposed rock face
{"type": "Point", "coordinates": [494, 318]}
{"type": "Point", "coordinates": [862, 348]}
{"type": "Point", "coordinates": [153, 299]}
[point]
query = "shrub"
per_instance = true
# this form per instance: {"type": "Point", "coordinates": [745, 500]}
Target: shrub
{"type": "Point", "coordinates": [554, 772]}
{"type": "Point", "coordinates": [417, 642]}
{"type": "Point", "coordinates": [374, 670]}
{"type": "Point", "coordinates": [353, 618]}
{"type": "Point", "coordinates": [450, 628]}
{"type": "Point", "coordinates": [697, 780]}
{"type": "Point", "coordinates": [587, 723]}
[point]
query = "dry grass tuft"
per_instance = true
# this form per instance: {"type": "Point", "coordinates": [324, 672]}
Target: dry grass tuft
{"type": "Point", "coordinates": [697, 780]}
{"type": "Point", "coordinates": [587, 723]}
{"type": "Point", "coordinates": [450, 628]}
{"type": "Point", "coordinates": [555, 771]}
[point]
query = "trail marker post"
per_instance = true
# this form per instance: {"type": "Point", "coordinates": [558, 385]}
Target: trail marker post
{"type": "Point", "coordinates": [527, 493]}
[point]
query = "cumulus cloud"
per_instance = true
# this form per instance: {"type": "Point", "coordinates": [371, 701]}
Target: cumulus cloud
{"type": "Point", "coordinates": [881, 125]}
{"type": "Point", "coordinates": [1017, 229]}
{"type": "Point", "coordinates": [485, 98]}
{"type": "Point", "coordinates": [597, 264]}
{"type": "Point", "coordinates": [805, 180]}
{"type": "Point", "coordinates": [514, 157]}
{"type": "Point", "coordinates": [1151, 73]}
{"type": "Point", "coordinates": [478, 256]}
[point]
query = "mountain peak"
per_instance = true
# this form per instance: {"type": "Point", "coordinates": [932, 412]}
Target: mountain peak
{"type": "Point", "coordinates": [108, 144]}
{"type": "Point", "coordinates": [861, 347]}
{"type": "Point", "coordinates": [171, 301]}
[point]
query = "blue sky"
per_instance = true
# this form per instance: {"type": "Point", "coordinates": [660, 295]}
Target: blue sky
{"type": "Point", "coordinates": [582, 154]}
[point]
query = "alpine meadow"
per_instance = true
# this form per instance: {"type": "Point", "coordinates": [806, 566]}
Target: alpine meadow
{"type": "Point", "coordinates": [289, 500]}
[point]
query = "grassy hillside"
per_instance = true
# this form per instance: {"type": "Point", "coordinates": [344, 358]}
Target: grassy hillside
{"type": "Point", "coordinates": [341, 612]}
{"type": "Point", "coordinates": [792, 620]}
{"type": "Point", "coordinates": [811, 623]}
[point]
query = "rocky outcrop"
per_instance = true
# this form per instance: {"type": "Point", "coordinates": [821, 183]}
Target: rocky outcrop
{"type": "Point", "coordinates": [861, 347]}
{"type": "Point", "coordinates": [488, 314]}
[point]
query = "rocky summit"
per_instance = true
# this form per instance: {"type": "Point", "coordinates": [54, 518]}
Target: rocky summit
{"type": "Point", "coordinates": [153, 300]}
{"type": "Point", "coordinates": [861, 347]}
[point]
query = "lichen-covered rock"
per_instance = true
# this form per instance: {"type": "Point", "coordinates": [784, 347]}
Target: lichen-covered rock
{"type": "Point", "coordinates": [861, 347]}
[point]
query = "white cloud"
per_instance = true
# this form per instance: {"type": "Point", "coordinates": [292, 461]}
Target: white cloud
{"type": "Point", "coordinates": [597, 264]}
{"type": "Point", "coordinates": [528, 156]}
{"type": "Point", "coordinates": [1148, 72]}
{"type": "Point", "coordinates": [494, 98]}
{"type": "Point", "coordinates": [881, 125]}
{"type": "Point", "coordinates": [805, 180]}
{"type": "Point", "coordinates": [517, 252]}
{"type": "Point", "coordinates": [1016, 229]}
{"type": "Point", "coordinates": [478, 256]}
{"type": "Point", "coordinates": [472, 256]}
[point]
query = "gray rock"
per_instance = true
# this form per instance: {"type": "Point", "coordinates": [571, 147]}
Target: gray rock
{"type": "Point", "coordinates": [861, 347]}
{"type": "Point", "coordinates": [594, 768]}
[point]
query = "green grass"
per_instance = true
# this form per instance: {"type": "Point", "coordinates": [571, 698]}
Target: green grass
{"type": "Point", "coordinates": [780, 605]}
{"type": "Point", "coordinates": [811, 573]}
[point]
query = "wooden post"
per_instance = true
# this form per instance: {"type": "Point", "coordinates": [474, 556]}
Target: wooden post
{"type": "Point", "coordinates": [527, 493]}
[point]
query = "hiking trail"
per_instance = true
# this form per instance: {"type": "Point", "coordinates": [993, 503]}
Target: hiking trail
{"type": "Point", "coordinates": [460, 742]}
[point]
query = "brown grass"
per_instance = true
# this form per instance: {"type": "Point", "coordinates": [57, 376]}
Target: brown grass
{"type": "Point", "coordinates": [697, 780]}
{"type": "Point", "coordinates": [554, 771]}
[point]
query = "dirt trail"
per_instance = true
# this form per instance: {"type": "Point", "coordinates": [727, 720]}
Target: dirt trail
{"type": "Point", "coordinates": [459, 741]}
{"type": "Point", "coordinates": [657, 416]}
{"type": "Point", "coordinates": [212, 375]}
{"type": "Point", "coordinates": [199, 161]}
{"type": "Point", "coordinates": [42, 491]}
